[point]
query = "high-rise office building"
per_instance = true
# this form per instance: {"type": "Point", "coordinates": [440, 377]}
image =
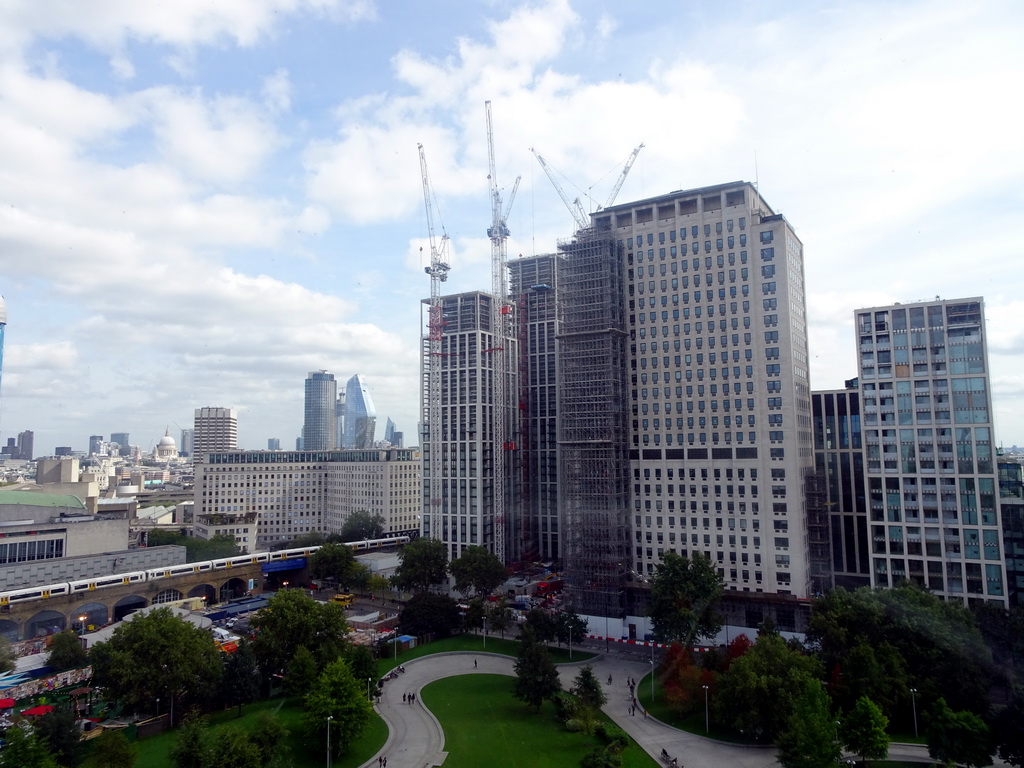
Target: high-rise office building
{"type": "Point", "coordinates": [534, 525]}
{"type": "Point", "coordinates": [123, 443]}
{"type": "Point", "coordinates": [216, 429]}
{"type": "Point", "coordinates": [95, 444]}
{"type": "Point", "coordinates": [839, 461]}
{"type": "Point", "coordinates": [1011, 510]}
{"type": "Point", "coordinates": [319, 429]}
{"type": "Point", "coordinates": [463, 512]}
{"type": "Point", "coordinates": [928, 437]}
{"type": "Point", "coordinates": [360, 415]}
{"type": "Point", "coordinates": [26, 444]}
{"type": "Point", "coordinates": [188, 441]}
{"type": "Point", "coordinates": [273, 444]}
{"type": "Point", "coordinates": [3, 328]}
{"type": "Point", "coordinates": [340, 415]}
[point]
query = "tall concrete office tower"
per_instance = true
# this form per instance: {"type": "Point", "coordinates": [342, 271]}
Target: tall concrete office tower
{"type": "Point", "coordinates": [188, 442]}
{"type": "Point", "coordinates": [932, 480]}
{"type": "Point", "coordinates": [95, 444]}
{"type": "Point", "coordinates": [124, 444]}
{"type": "Point", "coordinates": [360, 415]}
{"type": "Point", "coordinates": [320, 427]}
{"type": "Point", "coordinates": [719, 433]}
{"type": "Point", "coordinates": [216, 429]}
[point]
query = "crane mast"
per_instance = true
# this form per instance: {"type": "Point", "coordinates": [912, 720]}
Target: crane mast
{"type": "Point", "coordinates": [575, 207]}
{"type": "Point", "coordinates": [438, 271]}
{"type": "Point", "coordinates": [501, 329]}
{"type": "Point", "coordinates": [622, 176]}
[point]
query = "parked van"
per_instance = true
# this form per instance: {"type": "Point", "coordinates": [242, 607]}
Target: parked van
{"type": "Point", "coordinates": [344, 600]}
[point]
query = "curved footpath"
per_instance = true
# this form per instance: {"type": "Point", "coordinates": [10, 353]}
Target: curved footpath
{"type": "Point", "coordinates": [416, 740]}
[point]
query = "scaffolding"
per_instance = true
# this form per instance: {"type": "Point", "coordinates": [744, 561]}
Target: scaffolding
{"type": "Point", "coordinates": [593, 434]}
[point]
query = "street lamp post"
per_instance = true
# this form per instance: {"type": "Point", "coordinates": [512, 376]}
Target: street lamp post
{"type": "Point", "coordinates": [913, 705]}
{"type": "Point", "coordinates": [329, 718]}
{"type": "Point", "coordinates": [368, 681]}
{"type": "Point", "coordinates": [707, 718]}
{"type": "Point", "coordinates": [81, 624]}
{"type": "Point", "coordinates": [485, 631]}
{"type": "Point", "coordinates": [570, 642]}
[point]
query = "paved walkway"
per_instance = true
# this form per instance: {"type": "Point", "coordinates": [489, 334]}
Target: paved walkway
{"type": "Point", "coordinates": [415, 738]}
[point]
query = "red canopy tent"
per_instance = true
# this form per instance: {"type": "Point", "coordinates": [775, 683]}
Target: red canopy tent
{"type": "Point", "coordinates": [6, 703]}
{"type": "Point", "coordinates": [42, 709]}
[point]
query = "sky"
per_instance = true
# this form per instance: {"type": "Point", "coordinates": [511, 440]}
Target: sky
{"type": "Point", "coordinates": [203, 201]}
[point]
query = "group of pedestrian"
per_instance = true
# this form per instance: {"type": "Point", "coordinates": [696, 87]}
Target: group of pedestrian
{"type": "Point", "coordinates": [408, 698]}
{"type": "Point", "coordinates": [382, 761]}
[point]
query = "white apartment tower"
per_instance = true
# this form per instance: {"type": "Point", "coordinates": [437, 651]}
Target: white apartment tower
{"type": "Point", "coordinates": [932, 480]}
{"type": "Point", "coordinates": [720, 445]}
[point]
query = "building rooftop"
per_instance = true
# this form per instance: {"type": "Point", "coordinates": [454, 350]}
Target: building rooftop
{"type": "Point", "coordinates": [33, 499]}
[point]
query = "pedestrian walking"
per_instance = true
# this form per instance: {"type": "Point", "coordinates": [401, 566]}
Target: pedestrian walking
{"type": "Point", "coordinates": [474, 663]}
{"type": "Point", "coordinates": [609, 679]}
{"type": "Point", "coordinates": [645, 713]}
{"type": "Point", "coordinates": [403, 698]}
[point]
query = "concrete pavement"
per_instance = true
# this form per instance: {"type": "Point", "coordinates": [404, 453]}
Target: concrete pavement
{"type": "Point", "coordinates": [416, 740]}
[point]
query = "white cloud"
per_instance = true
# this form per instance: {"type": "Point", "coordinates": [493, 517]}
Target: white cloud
{"type": "Point", "coordinates": [277, 91]}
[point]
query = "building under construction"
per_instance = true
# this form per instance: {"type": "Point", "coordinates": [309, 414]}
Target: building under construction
{"type": "Point", "coordinates": [593, 431]}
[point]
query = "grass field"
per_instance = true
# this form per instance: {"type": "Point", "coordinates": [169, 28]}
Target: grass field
{"type": "Point", "coordinates": [475, 643]}
{"type": "Point", "coordinates": [485, 726]}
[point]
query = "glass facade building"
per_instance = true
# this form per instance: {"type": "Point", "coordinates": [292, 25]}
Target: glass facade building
{"type": "Point", "coordinates": [319, 430]}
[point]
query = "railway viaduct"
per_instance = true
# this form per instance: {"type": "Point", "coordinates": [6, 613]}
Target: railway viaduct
{"type": "Point", "coordinates": [45, 615]}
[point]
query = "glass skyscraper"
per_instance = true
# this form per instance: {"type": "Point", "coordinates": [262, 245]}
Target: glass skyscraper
{"type": "Point", "coordinates": [319, 427]}
{"type": "Point", "coordinates": [360, 415]}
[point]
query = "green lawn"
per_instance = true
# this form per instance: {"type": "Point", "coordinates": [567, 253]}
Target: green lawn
{"type": "Point", "coordinates": [485, 725]}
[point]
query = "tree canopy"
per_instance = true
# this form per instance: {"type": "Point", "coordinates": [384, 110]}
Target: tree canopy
{"type": "Point", "coordinates": [337, 563]}
{"type": "Point", "coordinates": [958, 737]}
{"type": "Point", "coordinates": [291, 618]}
{"type": "Point", "coordinates": [426, 613]}
{"type": "Point", "coordinates": [808, 740]}
{"type": "Point", "coordinates": [684, 596]}
{"type": "Point", "coordinates": [424, 564]}
{"type": "Point", "coordinates": [478, 570]}
{"type": "Point", "coordinates": [339, 695]}
{"type": "Point", "coordinates": [362, 525]}
{"type": "Point", "coordinates": [221, 545]}
{"type": "Point", "coordinates": [157, 655]}
{"type": "Point", "coordinates": [863, 730]}
{"type": "Point", "coordinates": [536, 675]}
{"type": "Point", "coordinates": [66, 650]}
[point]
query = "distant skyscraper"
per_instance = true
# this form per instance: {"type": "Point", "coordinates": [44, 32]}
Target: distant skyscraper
{"type": "Point", "coordinates": [340, 410]}
{"type": "Point", "coordinates": [95, 444]}
{"type": "Point", "coordinates": [932, 480]}
{"type": "Point", "coordinates": [188, 440]}
{"type": "Point", "coordinates": [3, 327]}
{"type": "Point", "coordinates": [26, 448]}
{"type": "Point", "coordinates": [121, 438]}
{"type": "Point", "coordinates": [319, 430]}
{"type": "Point", "coordinates": [216, 429]}
{"type": "Point", "coordinates": [360, 415]}
{"type": "Point", "coordinates": [273, 444]}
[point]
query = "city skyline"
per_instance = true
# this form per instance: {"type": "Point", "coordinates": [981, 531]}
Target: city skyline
{"type": "Point", "coordinates": [221, 176]}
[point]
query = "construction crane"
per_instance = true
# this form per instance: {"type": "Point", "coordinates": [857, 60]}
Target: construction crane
{"type": "Point", "coordinates": [438, 271]}
{"type": "Point", "coordinates": [502, 330]}
{"type": "Point", "coordinates": [622, 176]}
{"type": "Point", "coordinates": [575, 208]}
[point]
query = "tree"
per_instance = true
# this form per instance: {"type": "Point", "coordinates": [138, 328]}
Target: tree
{"type": "Point", "coordinates": [57, 730]}
{"type": "Point", "coordinates": [602, 757]}
{"type": "Point", "coordinates": [24, 749]}
{"type": "Point", "coordinates": [191, 748]}
{"type": "Point", "coordinates": [361, 662]}
{"type": "Point", "coordinates": [241, 680]}
{"type": "Point", "coordinates": [270, 737]}
{"type": "Point", "coordinates": [157, 655]}
{"type": "Point", "coordinates": [113, 750]}
{"type": "Point", "coordinates": [308, 539]}
{"type": "Point", "coordinates": [587, 688]}
{"type": "Point", "coordinates": [960, 738]}
{"type": "Point", "coordinates": [424, 564]}
{"type": "Point", "coordinates": [291, 618]}
{"type": "Point", "coordinates": [338, 695]}
{"type": "Point", "coordinates": [863, 730]}
{"type": "Point", "coordinates": [66, 650]}
{"type": "Point", "coordinates": [1009, 735]}
{"type": "Point", "coordinates": [6, 655]}
{"type": "Point", "coordinates": [499, 618]}
{"type": "Point", "coordinates": [684, 594]}
{"type": "Point", "coordinates": [362, 526]}
{"type": "Point", "coordinates": [570, 627]}
{"type": "Point", "coordinates": [337, 563]}
{"type": "Point", "coordinates": [426, 613]}
{"type": "Point", "coordinates": [809, 739]}
{"type": "Point", "coordinates": [474, 614]}
{"type": "Point", "coordinates": [233, 748]}
{"type": "Point", "coordinates": [477, 569]}
{"type": "Point", "coordinates": [542, 623]}
{"type": "Point", "coordinates": [301, 672]}
{"type": "Point", "coordinates": [196, 549]}
{"type": "Point", "coordinates": [758, 693]}
{"type": "Point", "coordinates": [378, 585]}
{"type": "Point", "coordinates": [536, 675]}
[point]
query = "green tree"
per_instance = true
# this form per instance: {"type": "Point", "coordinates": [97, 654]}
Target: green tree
{"type": "Point", "coordinates": [291, 618]}
{"type": "Point", "coordinates": [478, 570]}
{"type": "Point", "coordinates": [191, 745]}
{"type": "Point", "coordinates": [959, 738]}
{"type": "Point", "coordinates": [570, 627]}
{"type": "Point", "coordinates": [157, 655]}
{"type": "Point", "coordinates": [58, 731]}
{"type": "Point", "coordinates": [864, 731]}
{"type": "Point", "coordinates": [1007, 730]}
{"type": "Point", "coordinates": [536, 675]}
{"type": "Point", "coordinates": [587, 688]}
{"type": "Point", "coordinates": [338, 695]}
{"type": "Point", "coordinates": [426, 613]}
{"type": "Point", "coordinates": [499, 617]}
{"type": "Point", "coordinates": [378, 585]}
{"type": "Point", "coordinates": [66, 650]}
{"type": "Point", "coordinates": [113, 750]}
{"type": "Point", "coordinates": [809, 739]}
{"type": "Point", "coordinates": [757, 694]}
{"type": "Point", "coordinates": [308, 539]}
{"type": "Point", "coordinates": [362, 663]}
{"type": "Point", "coordinates": [271, 739]}
{"type": "Point", "coordinates": [233, 748]}
{"type": "Point", "coordinates": [475, 614]}
{"type": "Point", "coordinates": [301, 672]}
{"type": "Point", "coordinates": [602, 757]}
{"type": "Point", "coordinates": [684, 597]}
{"type": "Point", "coordinates": [221, 545]}
{"type": "Point", "coordinates": [424, 564]}
{"type": "Point", "coordinates": [543, 624]}
{"type": "Point", "coordinates": [23, 749]}
{"type": "Point", "coordinates": [240, 682]}
{"type": "Point", "coordinates": [337, 563]}
{"type": "Point", "coordinates": [362, 525]}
